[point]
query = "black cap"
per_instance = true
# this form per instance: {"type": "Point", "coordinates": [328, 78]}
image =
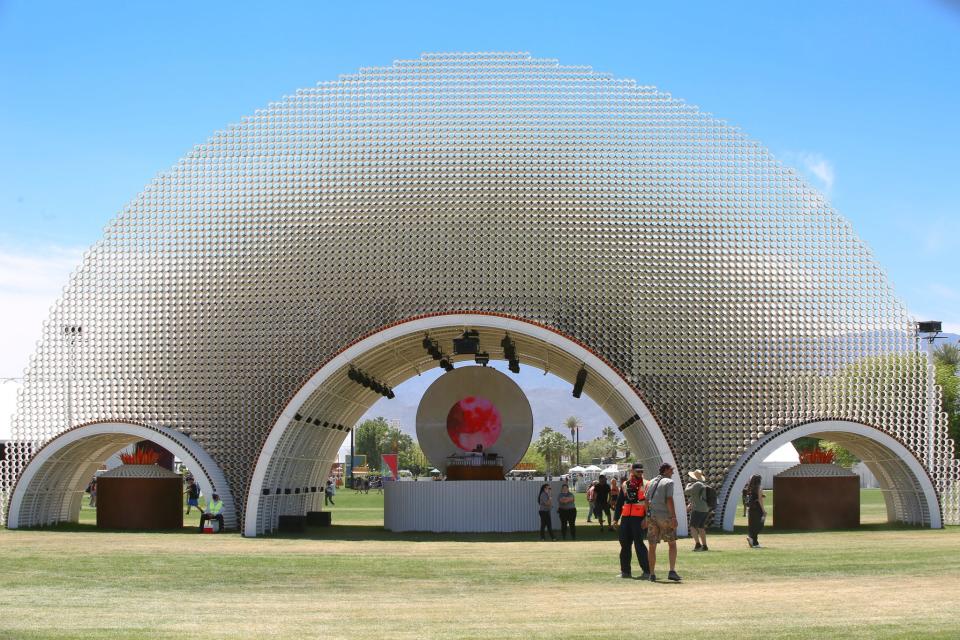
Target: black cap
{"type": "Point", "coordinates": [637, 466]}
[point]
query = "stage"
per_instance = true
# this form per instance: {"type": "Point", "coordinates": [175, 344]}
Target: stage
{"type": "Point", "coordinates": [465, 506]}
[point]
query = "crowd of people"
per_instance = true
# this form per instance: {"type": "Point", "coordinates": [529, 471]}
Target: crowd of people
{"type": "Point", "coordinates": [644, 514]}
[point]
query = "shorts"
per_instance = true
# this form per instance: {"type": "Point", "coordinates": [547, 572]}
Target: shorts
{"type": "Point", "coordinates": [698, 519]}
{"type": "Point", "coordinates": [192, 502]}
{"type": "Point", "coordinates": [660, 530]}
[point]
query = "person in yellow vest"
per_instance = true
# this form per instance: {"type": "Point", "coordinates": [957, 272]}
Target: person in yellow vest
{"type": "Point", "coordinates": [214, 512]}
{"type": "Point", "coordinates": [631, 510]}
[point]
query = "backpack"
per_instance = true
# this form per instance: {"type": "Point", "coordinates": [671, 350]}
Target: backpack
{"type": "Point", "coordinates": [710, 496]}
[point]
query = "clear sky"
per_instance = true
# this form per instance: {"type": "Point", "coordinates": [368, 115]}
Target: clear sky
{"type": "Point", "coordinates": [97, 98]}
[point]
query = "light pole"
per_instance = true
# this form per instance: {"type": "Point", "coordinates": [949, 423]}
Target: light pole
{"type": "Point", "coordinates": [73, 332]}
{"type": "Point", "coordinates": [930, 331]}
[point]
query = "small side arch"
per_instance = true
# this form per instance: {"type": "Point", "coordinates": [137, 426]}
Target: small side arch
{"type": "Point", "coordinates": [908, 489]}
{"type": "Point", "coordinates": [51, 487]}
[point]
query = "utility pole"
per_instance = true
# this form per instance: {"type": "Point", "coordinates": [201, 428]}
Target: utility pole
{"type": "Point", "coordinates": [351, 455]}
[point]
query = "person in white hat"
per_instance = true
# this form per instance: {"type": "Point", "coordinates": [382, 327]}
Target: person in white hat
{"type": "Point", "coordinates": [699, 507]}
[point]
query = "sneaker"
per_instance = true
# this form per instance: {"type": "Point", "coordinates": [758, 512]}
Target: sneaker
{"type": "Point", "coordinates": [644, 576]}
{"type": "Point", "coordinates": [653, 577]}
{"type": "Point", "coordinates": [673, 576]}
{"type": "Point", "coordinates": [750, 542]}
{"type": "Point", "coordinates": [698, 547]}
{"type": "Point", "coordinates": [758, 546]}
{"type": "Point", "coordinates": [705, 548]}
{"type": "Point", "coordinates": [626, 576]}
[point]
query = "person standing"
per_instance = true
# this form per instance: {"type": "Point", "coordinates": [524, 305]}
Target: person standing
{"type": "Point", "coordinates": [328, 492]}
{"type": "Point", "coordinates": [92, 489]}
{"type": "Point", "coordinates": [614, 495]}
{"type": "Point", "coordinates": [601, 501]}
{"type": "Point", "coordinates": [545, 505]}
{"type": "Point", "coordinates": [699, 509]}
{"type": "Point", "coordinates": [193, 495]}
{"type": "Point", "coordinates": [630, 512]}
{"type": "Point", "coordinates": [591, 499]}
{"type": "Point", "coordinates": [662, 520]}
{"type": "Point", "coordinates": [756, 513]}
{"type": "Point", "coordinates": [567, 510]}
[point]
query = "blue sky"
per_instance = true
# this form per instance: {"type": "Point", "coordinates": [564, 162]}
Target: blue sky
{"type": "Point", "coordinates": [97, 98]}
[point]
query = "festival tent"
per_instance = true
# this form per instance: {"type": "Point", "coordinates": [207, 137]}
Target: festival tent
{"type": "Point", "coordinates": [576, 469]}
{"type": "Point", "coordinates": [612, 470]}
{"type": "Point", "coordinates": [592, 469]}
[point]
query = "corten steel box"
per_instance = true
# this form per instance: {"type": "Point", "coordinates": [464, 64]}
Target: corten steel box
{"type": "Point", "coordinates": [139, 503]}
{"type": "Point", "coordinates": [816, 503]}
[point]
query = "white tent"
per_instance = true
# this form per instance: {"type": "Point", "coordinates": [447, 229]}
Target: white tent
{"type": "Point", "coordinates": [576, 469]}
{"type": "Point", "coordinates": [592, 469]}
{"type": "Point", "coordinates": [612, 470]}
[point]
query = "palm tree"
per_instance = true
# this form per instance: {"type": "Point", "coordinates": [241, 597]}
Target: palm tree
{"type": "Point", "coordinates": [574, 425]}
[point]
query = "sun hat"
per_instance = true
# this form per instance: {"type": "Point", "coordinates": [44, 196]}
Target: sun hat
{"type": "Point", "coordinates": [697, 474]}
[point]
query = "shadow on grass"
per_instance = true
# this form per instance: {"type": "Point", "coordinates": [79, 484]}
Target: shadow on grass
{"type": "Point", "coordinates": [355, 533]}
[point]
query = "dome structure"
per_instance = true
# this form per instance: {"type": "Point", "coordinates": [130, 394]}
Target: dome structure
{"type": "Point", "coordinates": [711, 298]}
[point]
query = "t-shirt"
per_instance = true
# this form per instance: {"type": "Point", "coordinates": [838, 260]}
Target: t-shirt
{"type": "Point", "coordinates": [601, 494]}
{"type": "Point", "coordinates": [194, 492]}
{"type": "Point", "coordinates": [697, 492]}
{"type": "Point", "coordinates": [660, 488]}
{"type": "Point", "coordinates": [566, 505]}
{"type": "Point", "coordinates": [544, 501]}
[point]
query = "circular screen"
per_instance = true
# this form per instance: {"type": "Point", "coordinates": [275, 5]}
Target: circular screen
{"type": "Point", "coordinates": [470, 406]}
{"type": "Point", "coordinates": [474, 420]}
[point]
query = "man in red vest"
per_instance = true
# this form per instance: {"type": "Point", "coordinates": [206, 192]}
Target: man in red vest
{"type": "Point", "coordinates": [631, 511]}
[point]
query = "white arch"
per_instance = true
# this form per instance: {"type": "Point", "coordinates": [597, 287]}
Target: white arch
{"type": "Point", "coordinates": [429, 323]}
{"type": "Point", "coordinates": [49, 489]}
{"type": "Point", "coordinates": [903, 471]}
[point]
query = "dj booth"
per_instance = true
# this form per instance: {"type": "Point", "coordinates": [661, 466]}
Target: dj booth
{"type": "Point", "coordinates": [465, 506]}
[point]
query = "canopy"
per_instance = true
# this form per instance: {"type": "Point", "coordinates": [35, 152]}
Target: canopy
{"type": "Point", "coordinates": [611, 470]}
{"type": "Point", "coordinates": [576, 469]}
{"type": "Point", "coordinates": [592, 467]}
{"type": "Point", "coordinates": [434, 470]}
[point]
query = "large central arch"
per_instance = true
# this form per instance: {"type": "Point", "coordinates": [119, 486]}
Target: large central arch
{"type": "Point", "coordinates": [296, 455]}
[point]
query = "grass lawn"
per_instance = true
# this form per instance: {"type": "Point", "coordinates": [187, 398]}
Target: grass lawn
{"type": "Point", "coordinates": [354, 580]}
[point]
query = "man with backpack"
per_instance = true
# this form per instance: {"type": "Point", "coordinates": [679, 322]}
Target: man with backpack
{"type": "Point", "coordinates": [703, 500]}
{"type": "Point", "coordinates": [662, 520]}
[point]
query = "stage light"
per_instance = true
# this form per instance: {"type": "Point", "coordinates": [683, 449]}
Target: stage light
{"type": "Point", "coordinates": [482, 358]}
{"type": "Point", "coordinates": [468, 343]}
{"type": "Point", "coordinates": [510, 353]}
{"type": "Point", "coordinates": [446, 365]}
{"type": "Point", "coordinates": [581, 380]}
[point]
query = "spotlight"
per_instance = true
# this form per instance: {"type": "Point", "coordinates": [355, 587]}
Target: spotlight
{"type": "Point", "coordinates": [468, 343]}
{"type": "Point", "coordinates": [446, 365]}
{"type": "Point", "coordinates": [510, 353]}
{"type": "Point", "coordinates": [581, 380]}
{"type": "Point", "coordinates": [482, 358]}
{"type": "Point", "coordinates": [432, 348]}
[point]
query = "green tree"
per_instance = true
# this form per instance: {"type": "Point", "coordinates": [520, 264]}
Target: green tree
{"type": "Point", "coordinates": [551, 445]}
{"type": "Point", "coordinates": [946, 359]}
{"type": "Point", "coordinates": [369, 439]}
{"type": "Point", "coordinates": [532, 456]}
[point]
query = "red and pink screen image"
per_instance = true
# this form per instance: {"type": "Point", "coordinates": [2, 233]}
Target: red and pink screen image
{"type": "Point", "coordinates": [472, 421]}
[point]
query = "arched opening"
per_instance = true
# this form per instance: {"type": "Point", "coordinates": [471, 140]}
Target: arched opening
{"type": "Point", "coordinates": [50, 489]}
{"type": "Point", "coordinates": [301, 447]}
{"type": "Point", "coordinates": [907, 489]}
